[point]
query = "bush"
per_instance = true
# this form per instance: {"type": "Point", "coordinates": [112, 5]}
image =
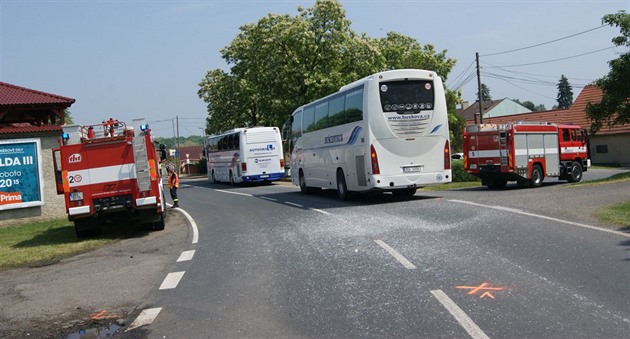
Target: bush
{"type": "Point", "coordinates": [459, 174]}
{"type": "Point", "coordinates": [202, 166]}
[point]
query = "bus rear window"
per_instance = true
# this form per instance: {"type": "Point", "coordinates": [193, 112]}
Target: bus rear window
{"type": "Point", "coordinates": [405, 97]}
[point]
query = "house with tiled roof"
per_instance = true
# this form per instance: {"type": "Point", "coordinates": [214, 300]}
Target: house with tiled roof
{"type": "Point", "coordinates": [189, 157]}
{"type": "Point", "coordinates": [607, 146]}
{"type": "Point", "coordinates": [491, 108]}
{"type": "Point", "coordinates": [30, 125]}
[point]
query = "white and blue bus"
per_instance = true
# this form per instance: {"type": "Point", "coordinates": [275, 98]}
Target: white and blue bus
{"type": "Point", "coordinates": [387, 132]}
{"type": "Point", "coordinates": [245, 155]}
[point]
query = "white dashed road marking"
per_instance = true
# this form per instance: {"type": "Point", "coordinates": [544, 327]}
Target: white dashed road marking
{"type": "Point", "coordinates": [171, 280]}
{"type": "Point", "coordinates": [462, 318]}
{"type": "Point", "coordinates": [146, 317]}
{"type": "Point", "coordinates": [396, 255]}
{"type": "Point", "coordinates": [293, 204]}
{"type": "Point", "coordinates": [186, 256]}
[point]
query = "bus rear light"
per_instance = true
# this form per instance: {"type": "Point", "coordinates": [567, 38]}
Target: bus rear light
{"type": "Point", "coordinates": [374, 159]}
{"type": "Point", "coordinates": [282, 163]}
{"type": "Point", "coordinates": [244, 167]}
{"type": "Point", "coordinates": [447, 156]}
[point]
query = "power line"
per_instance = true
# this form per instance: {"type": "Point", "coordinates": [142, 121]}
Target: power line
{"type": "Point", "coordinates": [544, 43]}
{"type": "Point", "coordinates": [559, 59]}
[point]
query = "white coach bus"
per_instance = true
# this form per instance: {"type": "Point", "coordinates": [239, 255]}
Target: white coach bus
{"type": "Point", "coordinates": [245, 155]}
{"type": "Point", "coordinates": [386, 132]}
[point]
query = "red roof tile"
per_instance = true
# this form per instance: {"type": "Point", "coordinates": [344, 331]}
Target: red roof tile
{"type": "Point", "coordinates": [24, 128]}
{"type": "Point", "coordinates": [575, 115]}
{"type": "Point", "coordinates": [16, 95]}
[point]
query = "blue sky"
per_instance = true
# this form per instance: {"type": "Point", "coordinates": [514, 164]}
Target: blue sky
{"type": "Point", "coordinates": [135, 58]}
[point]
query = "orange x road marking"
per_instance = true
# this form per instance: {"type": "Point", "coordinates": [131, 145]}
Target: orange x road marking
{"type": "Point", "coordinates": [484, 288]}
{"type": "Point", "coordinates": [102, 315]}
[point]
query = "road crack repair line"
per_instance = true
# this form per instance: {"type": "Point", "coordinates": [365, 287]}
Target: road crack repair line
{"type": "Point", "coordinates": [513, 210]}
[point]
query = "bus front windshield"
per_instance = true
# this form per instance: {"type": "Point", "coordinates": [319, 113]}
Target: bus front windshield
{"type": "Point", "coordinates": [406, 97]}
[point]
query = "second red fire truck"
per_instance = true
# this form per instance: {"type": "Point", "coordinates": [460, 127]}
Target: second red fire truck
{"type": "Point", "coordinates": [525, 152]}
{"type": "Point", "coordinates": [109, 170]}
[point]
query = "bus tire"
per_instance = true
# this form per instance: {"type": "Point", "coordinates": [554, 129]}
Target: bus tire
{"type": "Point", "coordinates": [576, 172]}
{"type": "Point", "coordinates": [342, 188]}
{"type": "Point", "coordinates": [214, 179]}
{"type": "Point", "coordinates": [537, 176]}
{"type": "Point", "coordinates": [302, 182]}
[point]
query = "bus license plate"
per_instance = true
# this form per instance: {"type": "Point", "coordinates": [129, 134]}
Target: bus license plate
{"type": "Point", "coordinates": [264, 176]}
{"type": "Point", "coordinates": [412, 169]}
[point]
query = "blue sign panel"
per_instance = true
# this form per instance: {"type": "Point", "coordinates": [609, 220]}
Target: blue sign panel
{"type": "Point", "coordinates": [21, 183]}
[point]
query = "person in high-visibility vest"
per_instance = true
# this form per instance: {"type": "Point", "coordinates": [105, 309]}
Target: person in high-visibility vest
{"type": "Point", "coordinates": [173, 184]}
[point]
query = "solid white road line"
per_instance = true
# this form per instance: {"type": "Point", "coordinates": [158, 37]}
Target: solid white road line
{"type": "Point", "coordinates": [145, 317]}
{"type": "Point", "coordinates": [462, 318]}
{"type": "Point", "coordinates": [193, 225]}
{"type": "Point", "coordinates": [237, 193]}
{"type": "Point", "coordinates": [513, 210]}
{"type": "Point", "coordinates": [396, 255]}
{"type": "Point", "coordinates": [293, 204]}
{"type": "Point", "coordinates": [171, 280]}
{"type": "Point", "coordinates": [320, 211]}
{"type": "Point", "coordinates": [186, 256]}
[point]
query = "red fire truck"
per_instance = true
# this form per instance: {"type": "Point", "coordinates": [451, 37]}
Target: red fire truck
{"type": "Point", "coordinates": [106, 171]}
{"type": "Point", "coordinates": [525, 152]}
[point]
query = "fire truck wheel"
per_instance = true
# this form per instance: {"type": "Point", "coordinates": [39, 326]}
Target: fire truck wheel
{"type": "Point", "coordinates": [86, 227]}
{"type": "Point", "coordinates": [496, 183]}
{"type": "Point", "coordinates": [159, 225]}
{"type": "Point", "coordinates": [576, 172]}
{"type": "Point", "coordinates": [537, 176]}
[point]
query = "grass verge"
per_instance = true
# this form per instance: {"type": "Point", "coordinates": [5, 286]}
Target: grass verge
{"type": "Point", "coordinates": [620, 177]}
{"type": "Point", "coordinates": [452, 186]}
{"type": "Point", "coordinates": [616, 215]}
{"type": "Point", "coordinates": [45, 242]}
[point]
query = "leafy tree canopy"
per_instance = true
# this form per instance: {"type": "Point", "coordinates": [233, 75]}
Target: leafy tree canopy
{"type": "Point", "coordinates": [614, 108]}
{"type": "Point", "coordinates": [282, 62]}
{"type": "Point", "coordinates": [565, 93]}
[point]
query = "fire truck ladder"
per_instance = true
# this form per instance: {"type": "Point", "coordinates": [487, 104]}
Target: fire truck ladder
{"type": "Point", "coordinates": [503, 148]}
{"type": "Point", "coordinates": [143, 175]}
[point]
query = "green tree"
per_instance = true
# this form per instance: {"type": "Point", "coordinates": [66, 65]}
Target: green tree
{"type": "Point", "coordinates": [530, 105]}
{"type": "Point", "coordinates": [485, 93]}
{"type": "Point", "coordinates": [282, 62]}
{"type": "Point", "coordinates": [614, 108]}
{"type": "Point", "coordinates": [565, 93]}
{"type": "Point", "coordinates": [67, 118]}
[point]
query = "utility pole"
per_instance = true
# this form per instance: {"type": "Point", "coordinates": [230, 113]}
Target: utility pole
{"type": "Point", "coordinates": [479, 90]}
{"type": "Point", "coordinates": [177, 152]}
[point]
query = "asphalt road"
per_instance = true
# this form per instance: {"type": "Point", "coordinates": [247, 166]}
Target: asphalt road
{"type": "Point", "coordinates": [272, 262]}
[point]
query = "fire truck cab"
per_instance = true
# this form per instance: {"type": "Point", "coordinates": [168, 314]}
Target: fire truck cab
{"type": "Point", "coordinates": [108, 171]}
{"type": "Point", "coordinates": [525, 152]}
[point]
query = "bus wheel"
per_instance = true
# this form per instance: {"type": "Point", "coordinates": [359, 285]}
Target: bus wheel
{"type": "Point", "coordinates": [214, 179]}
{"type": "Point", "coordinates": [405, 193]}
{"type": "Point", "coordinates": [537, 176]}
{"type": "Point", "coordinates": [342, 188]}
{"type": "Point", "coordinates": [576, 172]}
{"type": "Point", "coordinates": [302, 181]}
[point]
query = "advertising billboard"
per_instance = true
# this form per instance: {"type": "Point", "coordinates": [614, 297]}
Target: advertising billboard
{"type": "Point", "coordinates": [21, 178]}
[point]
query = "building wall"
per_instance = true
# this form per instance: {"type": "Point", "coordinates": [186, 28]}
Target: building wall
{"type": "Point", "coordinates": [611, 149]}
{"type": "Point", "coordinates": [505, 108]}
{"type": "Point", "coordinates": [54, 205]}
